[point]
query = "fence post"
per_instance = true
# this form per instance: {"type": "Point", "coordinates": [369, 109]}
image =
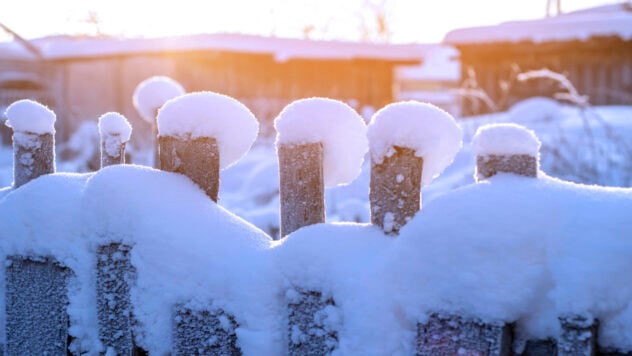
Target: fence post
{"type": "Point", "coordinates": [199, 134]}
{"type": "Point", "coordinates": [410, 143]}
{"type": "Point", "coordinates": [320, 142]}
{"type": "Point", "coordinates": [507, 148]}
{"type": "Point", "coordinates": [36, 306]}
{"type": "Point", "coordinates": [301, 186]}
{"type": "Point", "coordinates": [579, 335]}
{"type": "Point", "coordinates": [115, 132]}
{"type": "Point", "coordinates": [447, 334]}
{"type": "Point", "coordinates": [33, 140]}
{"type": "Point", "coordinates": [195, 139]}
{"type": "Point", "coordinates": [149, 96]}
{"type": "Point", "coordinates": [115, 275]}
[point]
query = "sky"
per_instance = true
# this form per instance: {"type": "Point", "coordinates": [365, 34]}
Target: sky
{"type": "Point", "coordinates": [406, 20]}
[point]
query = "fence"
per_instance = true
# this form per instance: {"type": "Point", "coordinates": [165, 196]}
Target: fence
{"type": "Point", "coordinates": [36, 286]}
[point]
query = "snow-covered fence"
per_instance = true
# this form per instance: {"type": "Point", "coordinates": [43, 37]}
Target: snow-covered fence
{"type": "Point", "coordinates": [203, 318]}
{"type": "Point", "coordinates": [114, 131]}
{"type": "Point", "coordinates": [508, 148]}
{"type": "Point", "coordinates": [33, 140]}
{"type": "Point", "coordinates": [149, 96]}
{"type": "Point", "coordinates": [312, 155]}
{"type": "Point", "coordinates": [410, 143]}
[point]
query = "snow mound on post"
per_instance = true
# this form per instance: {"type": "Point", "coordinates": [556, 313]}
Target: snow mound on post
{"type": "Point", "coordinates": [430, 131]}
{"type": "Point", "coordinates": [208, 114]}
{"type": "Point", "coordinates": [333, 123]}
{"type": "Point", "coordinates": [115, 124]}
{"type": "Point", "coordinates": [505, 139]}
{"type": "Point", "coordinates": [153, 93]}
{"type": "Point", "coordinates": [30, 116]}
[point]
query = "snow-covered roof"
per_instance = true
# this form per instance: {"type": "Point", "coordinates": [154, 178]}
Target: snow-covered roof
{"type": "Point", "coordinates": [440, 63]}
{"type": "Point", "coordinates": [283, 49]}
{"type": "Point", "coordinates": [603, 21]}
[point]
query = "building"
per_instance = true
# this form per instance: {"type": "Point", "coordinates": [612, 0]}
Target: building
{"type": "Point", "coordinates": [82, 78]}
{"type": "Point", "coordinates": [592, 47]}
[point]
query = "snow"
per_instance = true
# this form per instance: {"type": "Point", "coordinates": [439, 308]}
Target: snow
{"type": "Point", "coordinates": [114, 130]}
{"type": "Point", "coordinates": [603, 21]}
{"type": "Point", "coordinates": [151, 94]}
{"type": "Point", "coordinates": [208, 114]}
{"type": "Point", "coordinates": [505, 139]}
{"type": "Point", "coordinates": [29, 116]}
{"type": "Point", "coordinates": [336, 125]}
{"type": "Point", "coordinates": [425, 128]}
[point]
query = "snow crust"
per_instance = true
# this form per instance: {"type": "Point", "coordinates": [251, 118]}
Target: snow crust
{"type": "Point", "coordinates": [423, 127]}
{"type": "Point", "coordinates": [151, 94]}
{"type": "Point", "coordinates": [114, 130]}
{"type": "Point", "coordinates": [505, 139]}
{"type": "Point", "coordinates": [29, 116]}
{"type": "Point", "coordinates": [208, 114]}
{"type": "Point", "coordinates": [336, 125]}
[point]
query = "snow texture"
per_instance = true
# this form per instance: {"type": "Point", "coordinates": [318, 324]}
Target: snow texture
{"type": "Point", "coordinates": [29, 116]}
{"type": "Point", "coordinates": [456, 335]}
{"type": "Point", "coordinates": [208, 114]}
{"type": "Point", "coordinates": [336, 125]}
{"type": "Point", "coordinates": [204, 332]}
{"type": "Point", "coordinates": [115, 275]}
{"type": "Point", "coordinates": [115, 131]}
{"type": "Point", "coordinates": [36, 300]}
{"type": "Point", "coordinates": [310, 330]}
{"type": "Point", "coordinates": [505, 139]}
{"type": "Point", "coordinates": [152, 93]}
{"type": "Point", "coordinates": [431, 132]}
{"type": "Point", "coordinates": [578, 336]}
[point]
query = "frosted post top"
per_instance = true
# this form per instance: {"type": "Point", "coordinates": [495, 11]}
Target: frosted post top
{"type": "Point", "coordinates": [505, 139]}
{"type": "Point", "coordinates": [152, 93]}
{"type": "Point", "coordinates": [336, 125]}
{"type": "Point", "coordinates": [30, 116]}
{"type": "Point", "coordinates": [431, 132]}
{"type": "Point", "coordinates": [208, 114]}
{"type": "Point", "coordinates": [115, 124]}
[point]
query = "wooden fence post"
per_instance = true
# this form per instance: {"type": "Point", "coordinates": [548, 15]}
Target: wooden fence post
{"type": "Point", "coordinates": [447, 334]}
{"type": "Point", "coordinates": [196, 140]}
{"type": "Point", "coordinates": [307, 332]}
{"type": "Point", "coordinates": [36, 306]}
{"type": "Point", "coordinates": [33, 140]}
{"type": "Point", "coordinates": [115, 132]}
{"type": "Point", "coordinates": [115, 275]}
{"type": "Point", "coordinates": [506, 148]}
{"type": "Point", "coordinates": [395, 189]}
{"type": "Point", "coordinates": [197, 159]}
{"type": "Point", "coordinates": [579, 336]}
{"type": "Point", "coordinates": [149, 96]}
{"type": "Point", "coordinates": [301, 186]}
{"type": "Point", "coordinates": [410, 143]}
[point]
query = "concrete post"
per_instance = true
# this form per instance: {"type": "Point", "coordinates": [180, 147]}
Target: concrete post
{"type": "Point", "coordinates": [301, 186]}
{"type": "Point", "coordinates": [395, 189]}
{"type": "Point", "coordinates": [198, 159]}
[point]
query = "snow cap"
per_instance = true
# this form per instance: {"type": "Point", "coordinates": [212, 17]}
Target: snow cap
{"type": "Point", "coordinates": [115, 124]}
{"type": "Point", "coordinates": [208, 114]}
{"type": "Point", "coordinates": [425, 128]}
{"type": "Point", "coordinates": [333, 123]}
{"type": "Point", "coordinates": [30, 116]}
{"type": "Point", "coordinates": [152, 93]}
{"type": "Point", "coordinates": [505, 139]}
